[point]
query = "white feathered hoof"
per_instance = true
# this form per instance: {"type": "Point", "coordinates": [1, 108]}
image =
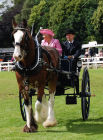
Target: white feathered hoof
{"type": "Point", "coordinates": [49, 123]}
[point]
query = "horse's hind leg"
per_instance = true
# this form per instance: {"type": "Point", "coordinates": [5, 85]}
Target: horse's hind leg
{"type": "Point", "coordinates": [51, 121]}
{"type": "Point", "coordinates": [31, 125]}
{"type": "Point", "coordinates": [39, 115]}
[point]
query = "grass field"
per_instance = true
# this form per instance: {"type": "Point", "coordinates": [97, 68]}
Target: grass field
{"type": "Point", "coordinates": [70, 124]}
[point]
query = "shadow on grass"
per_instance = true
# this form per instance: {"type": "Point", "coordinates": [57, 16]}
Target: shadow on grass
{"type": "Point", "coordinates": [89, 127]}
{"type": "Point", "coordinates": [54, 131]}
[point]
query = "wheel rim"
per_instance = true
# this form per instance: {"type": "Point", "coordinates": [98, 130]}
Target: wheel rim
{"type": "Point", "coordinates": [85, 98]}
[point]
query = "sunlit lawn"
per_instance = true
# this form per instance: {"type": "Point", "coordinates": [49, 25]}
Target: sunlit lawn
{"type": "Point", "coordinates": [70, 124]}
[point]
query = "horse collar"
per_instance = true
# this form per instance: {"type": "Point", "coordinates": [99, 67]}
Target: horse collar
{"type": "Point", "coordinates": [34, 69]}
{"type": "Point", "coordinates": [26, 72]}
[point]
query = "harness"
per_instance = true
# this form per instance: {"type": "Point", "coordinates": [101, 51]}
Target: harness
{"type": "Point", "coordinates": [36, 67]}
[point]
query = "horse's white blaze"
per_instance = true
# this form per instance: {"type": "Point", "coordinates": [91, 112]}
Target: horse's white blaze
{"type": "Point", "coordinates": [17, 38]}
{"type": "Point", "coordinates": [28, 114]}
{"type": "Point", "coordinates": [17, 52]}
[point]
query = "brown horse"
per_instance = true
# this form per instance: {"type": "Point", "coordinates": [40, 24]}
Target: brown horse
{"type": "Point", "coordinates": [25, 53]}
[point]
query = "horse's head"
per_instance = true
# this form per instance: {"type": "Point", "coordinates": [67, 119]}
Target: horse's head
{"type": "Point", "coordinates": [21, 37]}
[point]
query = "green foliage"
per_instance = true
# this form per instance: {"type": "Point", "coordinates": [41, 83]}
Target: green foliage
{"type": "Point", "coordinates": [63, 14]}
{"type": "Point", "coordinates": [18, 18]}
{"type": "Point", "coordinates": [1, 6]}
{"type": "Point", "coordinates": [26, 10]}
{"type": "Point", "coordinates": [36, 13]}
{"type": "Point", "coordinates": [18, 1]}
{"type": "Point", "coordinates": [85, 17]}
{"type": "Point", "coordinates": [40, 14]}
{"type": "Point", "coordinates": [58, 15]}
{"type": "Point", "coordinates": [97, 21]}
{"type": "Point", "coordinates": [73, 14]}
{"type": "Point", "coordinates": [0, 18]}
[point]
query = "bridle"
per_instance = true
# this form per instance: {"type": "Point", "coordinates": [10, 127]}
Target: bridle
{"type": "Point", "coordinates": [26, 39]}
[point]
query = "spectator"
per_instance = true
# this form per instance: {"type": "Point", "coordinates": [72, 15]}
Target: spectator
{"type": "Point", "coordinates": [5, 58]}
{"type": "Point", "coordinates": [101, 53]}
{"type": "Point", "coordinates": [86, 53]}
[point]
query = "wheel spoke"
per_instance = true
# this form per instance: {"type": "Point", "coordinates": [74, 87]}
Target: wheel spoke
{"type": "Point", "coordinates": [87, 88]}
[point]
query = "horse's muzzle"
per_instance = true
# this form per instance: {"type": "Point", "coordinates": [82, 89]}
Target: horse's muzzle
{"type": "Point", "coordinates": [18, 58]}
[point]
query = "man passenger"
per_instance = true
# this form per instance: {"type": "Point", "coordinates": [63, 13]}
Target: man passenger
{"type": "Point", "coordinates": [71, 48]}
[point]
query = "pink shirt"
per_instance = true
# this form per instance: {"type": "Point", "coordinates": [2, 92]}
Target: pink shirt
{"type": "Point", "coordinates": [54, 44]}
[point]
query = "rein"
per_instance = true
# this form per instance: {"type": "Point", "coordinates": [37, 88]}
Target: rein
{"type": "Point", "coordinates": [19, 28]}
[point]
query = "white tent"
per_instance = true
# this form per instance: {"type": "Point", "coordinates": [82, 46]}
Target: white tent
{"type": "Point", "coordinates": [92, 45]}
{"type": "Point", "coordinates": [6, 50]}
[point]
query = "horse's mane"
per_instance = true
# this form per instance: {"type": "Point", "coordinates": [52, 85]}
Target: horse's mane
{"type": "Point", "coordinates": [53, 54]}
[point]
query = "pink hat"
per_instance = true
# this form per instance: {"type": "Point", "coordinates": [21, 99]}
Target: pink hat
{"type": "Point", "coordinates": [47, 31]}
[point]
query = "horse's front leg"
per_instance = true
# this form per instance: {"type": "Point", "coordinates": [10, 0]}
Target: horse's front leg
{"type": "Point", "coordinates": [31, 125]}
{"type": "Point", "coordinates": [51, 121]}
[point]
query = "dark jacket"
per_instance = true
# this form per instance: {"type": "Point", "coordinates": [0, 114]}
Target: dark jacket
{"type": "Point", "coordinates": [71, 49]}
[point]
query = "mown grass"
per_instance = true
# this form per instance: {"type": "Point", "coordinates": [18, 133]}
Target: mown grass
{"type": "Point", "coordinates": [70, 124]}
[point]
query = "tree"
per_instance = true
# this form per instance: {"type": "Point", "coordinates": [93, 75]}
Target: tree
{"type": "Point", "coordinates": [6, 26]}
{"type": "Point", "coordinates": [18, 2]}
{"type": "Point", "coordinates": [40, 14]}
{"type": "Point", "coordinates": [73, 14]}
{"type": "Point", "coordinates": [85, 17]}
{"type": "Point", "coordinates": [97, 21]}
{"type": "Point", "coordinates": [36, 13]}
{"type": "Point", "coordinates": [26, 10]}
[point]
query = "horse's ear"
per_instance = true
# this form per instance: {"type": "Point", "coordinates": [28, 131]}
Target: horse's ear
{"type": "Point", "coordinates": [14, 24]}
{"type": "Point", "coordinates": [24, 23]}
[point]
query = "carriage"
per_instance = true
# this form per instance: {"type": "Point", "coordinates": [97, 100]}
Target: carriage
{"type": "Point", "coordinates": [67, 79]}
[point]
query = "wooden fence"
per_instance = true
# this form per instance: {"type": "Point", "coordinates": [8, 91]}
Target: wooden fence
{"type": "Point", "coordinates": [93, 62]}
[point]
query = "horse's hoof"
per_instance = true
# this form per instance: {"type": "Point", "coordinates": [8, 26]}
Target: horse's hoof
{"type": "Point", "coordinates": [49, 123]}
{"type": "Point", "coordinates": [29, 130]}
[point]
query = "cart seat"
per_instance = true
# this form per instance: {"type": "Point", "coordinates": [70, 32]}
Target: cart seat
{"type": "Point", "coordinates": [66, 65]}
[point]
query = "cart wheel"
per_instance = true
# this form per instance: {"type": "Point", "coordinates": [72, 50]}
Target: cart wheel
{"type": "Point", "coordinates": [85, 94]}
{"type": "Point", "coordinates": [22, 108]}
